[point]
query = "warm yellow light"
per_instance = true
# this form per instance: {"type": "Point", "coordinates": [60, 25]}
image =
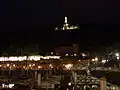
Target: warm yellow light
{"type": "Point", "coordinates": [39, 67]}
{"type": "Point", "coordinates": [23, 66]}
{"type": "Point", "coordinates": [83, 55]}
{"type": "Point", "coordinates": [50, 65]}
{"type": "Point", "coordinates": [66, 54]}
{"type": "Point", "coordinates": [93, 60]}
{"type": "Point", "coordinates": [96, 59]}
{"type": "Point", "coordinates": [13, 65]}
{"type": "Point", "coordinates": [30, 65]}
{"type": "Point", "coordinates": [8, 65]}
{"type": "Point", "coordinates": [33, 65]}
{"type": "Point", "coordinates": [68, 66]}
{"type": "Point", "coordinates": [75, 55]}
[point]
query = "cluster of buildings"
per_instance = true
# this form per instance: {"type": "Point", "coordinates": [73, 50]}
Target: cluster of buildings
{"type": "Point", "coordinates": [66, 26]}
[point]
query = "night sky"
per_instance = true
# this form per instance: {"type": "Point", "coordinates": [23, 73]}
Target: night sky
{"type": "Point", "coordinates": [33, 21]}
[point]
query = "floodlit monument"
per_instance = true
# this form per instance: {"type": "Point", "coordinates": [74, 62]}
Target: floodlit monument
{"type": "Point", "coordinates": [66, 26]}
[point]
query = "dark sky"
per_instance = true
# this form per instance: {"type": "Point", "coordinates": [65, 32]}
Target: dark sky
{"type": "Point", "coordinates": [26, 20]}
{"type": "Point", "coordinates": [29, 13]}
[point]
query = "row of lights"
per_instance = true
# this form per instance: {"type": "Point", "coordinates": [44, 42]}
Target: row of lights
{"type": "Point", "coordinates": [104, 61]}
{"type": "Point", "coordinates": [15, 66]}
{"type": "Point", "coordinates": [76, 55]}
{"type": "Point", "coordinates": [83, 54]}
{"type": "Point", "coordinates": [95, 59]}
{"type": "Point", "coordinates": [71, 55]}
{"type": "Point", "coordinates": [22, 58]}
{"type": "Point", "coordinates": [67, 66]}
{"type": "Point", "coordinates": [118, 56]}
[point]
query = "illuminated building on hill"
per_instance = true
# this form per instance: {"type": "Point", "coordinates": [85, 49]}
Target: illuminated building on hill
{"type": "Point", "coordinates": [66, 26]}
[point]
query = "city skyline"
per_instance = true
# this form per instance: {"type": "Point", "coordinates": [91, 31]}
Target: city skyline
{"type": "Point", "coordinates": [30, 22]}
{"type": "Point", "coordinates": [59, 44]}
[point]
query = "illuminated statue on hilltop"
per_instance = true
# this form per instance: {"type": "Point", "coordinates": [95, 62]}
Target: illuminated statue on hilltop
{"type": "Point", "coordinates": [66, 26]}
{"type": "Point", "coordinates": [66, 20]}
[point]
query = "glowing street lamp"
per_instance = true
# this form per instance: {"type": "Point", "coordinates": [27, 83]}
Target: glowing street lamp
{"type": "Point", "coordinates": [118, 58]}
{"type": "Point", "coordinates": [66, 54]}
{"type": "Point", "coordinates": [96, 59]}
{"type": "Point", "coordinates": [69, 84]}
{"type": "Point", "coordinates": [51, 53]}
{"type": "Point", "coordinates": [30, 65]}
{"type": "Point", "coordinates": [39, 67]}
{"type": "Point", "coordinates": [93, 60]}
{"type": "Point", "coordinates": [83, 55]}
{"type": "Point", "coordinates": [8, 65]}
{"type": "Point", "coordinates": [117, 54]}
{"type": "Point", "coordinates": [13, 65]}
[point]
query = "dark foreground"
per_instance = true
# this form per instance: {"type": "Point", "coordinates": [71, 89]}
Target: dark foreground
{"type": "Point", "coordinates": [112, 77]}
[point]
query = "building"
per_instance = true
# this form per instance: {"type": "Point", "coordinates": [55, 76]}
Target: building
{"type": "Point", "coordinates": [31, 49]}
{"type": "Point", "coordinates": [68, 50]}
{"type": "Point", "coordinates": [64, 50]}
{"type": "Point", "coordinates": [66, 26]}
{"type": "Point", "coordinates": [76, 49]}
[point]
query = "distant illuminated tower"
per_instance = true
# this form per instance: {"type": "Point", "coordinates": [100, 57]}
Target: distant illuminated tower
{"type": "Point", "coordinates": [65, 20]}
{"type": "Point", "coordinates": [66, 26]}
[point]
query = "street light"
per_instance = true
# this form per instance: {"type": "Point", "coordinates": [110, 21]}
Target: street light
{"type": "Point", "coordinates": [69, 84]}
{"type": "Point", "coordinates": [93, 60]}
{"type": "Point", "coordinates": [118, 58]}
{"type": "Point", "coordinates": [96, 59]}
{"type": "Point", "coordinates": [117, 54]}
